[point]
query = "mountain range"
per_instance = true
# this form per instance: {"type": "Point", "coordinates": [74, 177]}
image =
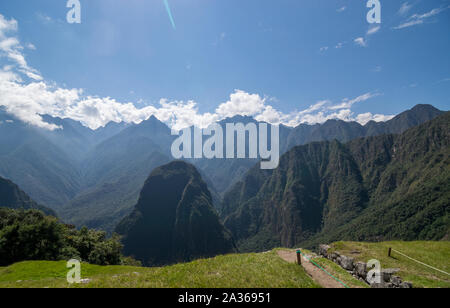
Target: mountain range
{"type": "Point", "coordinates": [387, 187]}
{"type": "Point", "coordinates": [94, 177]}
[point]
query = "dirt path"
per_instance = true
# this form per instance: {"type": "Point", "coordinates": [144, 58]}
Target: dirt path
{"type": "Point", "coordinates": [316, 274]}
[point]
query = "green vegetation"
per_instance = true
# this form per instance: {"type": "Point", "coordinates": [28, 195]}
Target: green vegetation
{"type": "Point", "coordinates": [30, 235]}
{"type": "Point", "coordinates": [263, 270]}
{"type": "Point", "coordinates": [174, 219]}
{"type": "Point", "coordinates": [436, 254]}
{"type": "Point", "coordinates": [390, 187]}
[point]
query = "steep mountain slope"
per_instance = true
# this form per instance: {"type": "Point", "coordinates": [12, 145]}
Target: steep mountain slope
{"type": "Point", "coordinates": [174, 219]}
{"type": "Point", "coordinates": [226, 172]}
{"type": "Point", "coordinates": [11, 196]}
{"type": "Point", "coordinates": [76, 140]}
{"type": "Point", "coordinates": [114, 157]}
{"type": "Point", "coordinates": [376, 188]}
{"type": "Point", "coordinates": [114, 173]}
{"type": "Point", "coordinates": [39, 167]}
{"type": "Point", "coordinates": [105, 205]}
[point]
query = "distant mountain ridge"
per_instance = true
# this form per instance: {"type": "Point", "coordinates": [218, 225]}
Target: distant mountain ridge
{"type": "Point", "coordinates": [94, 177]}
{"type": "Point", "coordinates": [346, 131]}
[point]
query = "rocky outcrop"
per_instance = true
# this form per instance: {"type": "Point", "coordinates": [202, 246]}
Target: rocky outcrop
{"type": "Point", "coordinates": [360, 271]}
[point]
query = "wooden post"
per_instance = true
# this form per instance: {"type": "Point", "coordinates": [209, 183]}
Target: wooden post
{"type": "Point", "coordinates": [299, 257]}
{"type": "Point", "coordinates": [389, 252]}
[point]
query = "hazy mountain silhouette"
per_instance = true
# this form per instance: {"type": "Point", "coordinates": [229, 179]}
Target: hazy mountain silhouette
{"type": "Point", "coordinates": [174, 219]}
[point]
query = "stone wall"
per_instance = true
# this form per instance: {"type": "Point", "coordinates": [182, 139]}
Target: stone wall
{"type": "Point", "coordinates": [359, 270]}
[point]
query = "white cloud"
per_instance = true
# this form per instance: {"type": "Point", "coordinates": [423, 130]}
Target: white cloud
{"type": "Point", "coordinates": [11, 48]}
{"type": "Point", "coordinates": [44, 18]}
{"type": "Point", "coordinates": [373, 30]}
{"type": "Point", "coordinates": [339, 45]}
{"type": "Point", "coordinates": [30, 99]}
{"type": "Point", "coordinates": [360, 41]}
{"type": "Point", "coordinates": [346, 103]}
{"type": "Point", "coordinates": [409, 24]}
{"type": "Point", "coordinates": [404, 8]}
{"type": "Point", "coordinates": [241, 103]}
{"type": "Point", "coordinates": [418, 19]}
{"type": "Point", "coordinates": [7, 25]}
{"type": "Point", "coordinates": [341, 9]}
{"type": "Point", "coordinates": [31, 46]}
{"type": "Point", "coordinates": [377, 69]}
{"type": "Point", "coordinates": [323, 49]}
{"type": "Point", "coordinates": [220, 39]}
{"type": "Point", "coordinates": [364, 118]}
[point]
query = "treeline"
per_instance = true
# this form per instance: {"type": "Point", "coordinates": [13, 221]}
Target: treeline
{"type": "Point", "coordinates": [31, 235]}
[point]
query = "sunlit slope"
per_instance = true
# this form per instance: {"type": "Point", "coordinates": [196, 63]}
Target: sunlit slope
{"type": "Point", "coordinates": [262, 270]}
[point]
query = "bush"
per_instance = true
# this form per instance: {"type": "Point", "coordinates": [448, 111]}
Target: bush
{"type": "Point", "coordinates": [30, 235]}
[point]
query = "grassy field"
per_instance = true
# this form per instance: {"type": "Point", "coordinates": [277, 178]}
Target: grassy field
{"type": "Point", "coordinates": [262, 270]}
{"type": "Point", "coordinates": [254, 270]}
{"type": "Point", "coordinates": [436, 254]}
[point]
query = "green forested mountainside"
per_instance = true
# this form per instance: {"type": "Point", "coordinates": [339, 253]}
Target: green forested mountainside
{"type": "Point", "coordinates": [11, 196]}
{"type": "Point", "coordinates": [376, 188]}
{"type": "Point", "coordinates": [174, 219]}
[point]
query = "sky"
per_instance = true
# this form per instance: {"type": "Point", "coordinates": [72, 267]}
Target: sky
{"type": "Point", "coordinates": [281, 61]}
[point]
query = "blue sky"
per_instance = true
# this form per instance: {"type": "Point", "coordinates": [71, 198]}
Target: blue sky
{"type": "Point", "coordinates": [283, 55]}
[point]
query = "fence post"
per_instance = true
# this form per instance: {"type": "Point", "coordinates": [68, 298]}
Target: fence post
{"type": "Point", "coordinates": [299, 257]}
{"type": "Point", "coordinates": [389, 252]}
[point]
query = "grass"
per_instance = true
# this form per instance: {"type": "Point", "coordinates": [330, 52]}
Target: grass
{"type": "Point", "coordinates": [436, 254]}
{"type": "Point", "coordinates": [337, 272]}
{"type": "Point", "coordinates": [254, 270]}
{"type": "Point", "coordinates": [262, 270]}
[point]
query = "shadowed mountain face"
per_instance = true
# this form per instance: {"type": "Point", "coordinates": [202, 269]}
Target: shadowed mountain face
{"type": "Point", "coordinates": [93, 178]}
{"type": "Point", "coordinates": [174, 219]}
{"type": "Point", "coordinates": [378, 188]}
{"type": "Point", "coordinates": [12, 197]}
